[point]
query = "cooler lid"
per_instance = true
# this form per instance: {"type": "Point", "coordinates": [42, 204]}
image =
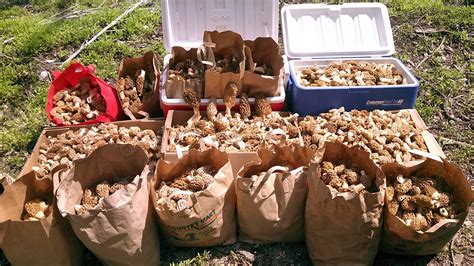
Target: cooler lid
{"type": "Point", "coordinates": [352, 29]}
{"type": "Point", "coordinates": [184, 21]}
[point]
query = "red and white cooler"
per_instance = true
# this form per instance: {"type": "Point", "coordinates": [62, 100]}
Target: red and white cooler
{"type": "Point", "coordinates": [184, 23]}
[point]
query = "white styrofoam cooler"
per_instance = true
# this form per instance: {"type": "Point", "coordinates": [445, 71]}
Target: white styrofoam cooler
{"type": "Point", "coordinates": [184, 23]}
{"type": "Point", "coordinates": [320, 34]}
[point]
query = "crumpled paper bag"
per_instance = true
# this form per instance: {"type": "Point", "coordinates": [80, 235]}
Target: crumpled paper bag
{"type": "Point", "coordinates": [150, 106]}
{"type": "Point", "coordinates": [222, 44]}
{"type": "Point", "coordinates": [263, 50]}
{"type": "Point", "coordinates": [270, 208]}
{"type": "Point", "coordinates": [343, 228]}
{"type": "Point", "coordinates": [121, 229]}
{"type": "Point", "coordinates": [50, 241]}
{"type": "Point", "coordinates": [398, 238]}
{"type": "Point", "coordinates": [210, 220]}
{"type": "Point", "coordinates": [175, 86]}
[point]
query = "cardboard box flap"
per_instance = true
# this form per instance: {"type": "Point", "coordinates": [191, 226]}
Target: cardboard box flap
{"type": "Point", "coordinates": [353, 29]}
{"type": "Point", "coordinates": [184, 21]}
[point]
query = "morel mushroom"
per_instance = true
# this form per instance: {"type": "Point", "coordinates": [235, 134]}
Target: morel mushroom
{"type": "Point", "coordinates": [226, 64]}
{"type": "Point", "coordinates": [230, 97]}
{"type": "Point", "coordinates": [262, 106]}
{"type": "Point", "coordinates": [192, 98]}
{"type": "Point", "coordinates": [351, 73]}
{"type": "Point", "coordinates": [212, 109]}
{"type": "Point", "coordinates": [95, 193]}
{"type": "Point", "coordinates": [36, 210]}
{"type": "Point", "coordinates": [175, 194]}
{"type": "Point", "coordinates": [234, 133]}
{"type": "Point", "coordinates": [345, 178]}
{"type": "Point", "coordinates": [133, 91]}
{"type": "Point", "coordinates": [140, 82]}
{"type": "Point", "coordinates": [263, 69]}
{"type": "Point", "coordinates": [78, 104]}
{"type": "Point", "coordinates": [188, 71]}
{"type": "Point", "coordinates": [386, 136]}
{"type": "Point", "coordinates": [244, 107]}
{"type": "Point", "coordinates": [71, 145]}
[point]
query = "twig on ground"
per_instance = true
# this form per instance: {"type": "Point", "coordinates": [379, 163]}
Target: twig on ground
{"type": "Point", "coordinates": [395, 29]}
{"type": "Point", "coordinates": [445, 103]}
{"type": "Point", "coordinates": [73, 14]}
{"type": "Point", "coordinates": [6, 56]}
{"type": "Point", "coordinates": [81, 13]}
{"type": "Point", "coordinates": [84, 45]}
{"type": "Point", "coordinates": [452, 141]}
{"type": "Point", "coordinates": [48, 61]}
{"type": "Point", "coordinates": [431, 54]}
{"type": "Point", "coordinates": [8, 40]}
{"type": "Point", "coordinates": [462, 105]}
{"type": "Point", "coordinates": [429, 30]}
{"type": "Point", "coordinates": [48, 20]}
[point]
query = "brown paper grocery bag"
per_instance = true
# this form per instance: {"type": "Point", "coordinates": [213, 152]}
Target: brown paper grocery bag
{"type": "Point", "coordinates": [175, 86]}
{"type": "Point", "coordinates": [150, 103]}
{"type": "Point", "coordinates": [398, 238]}
{"type": "Point", "coordinates": [343, 228]}
{"type": "Point", "coordinates": [263, 50]}
{"type": "Point", "coordinates": [270, 208]}
{"type": "Point", "coordinates": [222, 44]}
{"type": "Point", "coordinates": [50, 241]}
{"type": "Point", "coordinates": [121, 229]}
{"type": "Point", "coordinates": [211, 219]}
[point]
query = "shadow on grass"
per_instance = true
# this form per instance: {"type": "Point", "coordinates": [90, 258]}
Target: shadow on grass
{"type": "Point", "coordinates": [388, 259]}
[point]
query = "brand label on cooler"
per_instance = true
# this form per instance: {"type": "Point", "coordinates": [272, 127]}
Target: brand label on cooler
{"type": "Point", "coordinates": [385, 102]}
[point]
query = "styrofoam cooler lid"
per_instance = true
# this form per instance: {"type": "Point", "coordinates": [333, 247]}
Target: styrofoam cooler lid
{"type": "Point", "coordinates": [353, 29]}
{"type": "Point", "coordinates": [184, 21]}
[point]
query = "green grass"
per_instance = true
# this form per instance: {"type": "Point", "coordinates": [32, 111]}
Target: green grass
{"type": "Point", "coordinates": [441, 69]}
{"type": "Point", "coordinates": [441, 36]}
{"type": "Point", "coordinates": [33, 38]}
{"type": "Point", "coordinates": [200, 259]}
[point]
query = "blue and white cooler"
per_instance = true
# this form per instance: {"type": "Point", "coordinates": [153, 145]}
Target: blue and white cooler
{"type": "Point", "coordinates": [320, 34]}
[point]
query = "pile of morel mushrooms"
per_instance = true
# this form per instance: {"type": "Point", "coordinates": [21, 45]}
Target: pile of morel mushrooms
{"type": "Point", "coordinates": [93, 195]}
{"type": "Point", "coordinates": [133, 91]}
{"type": "Point", "coordinates": [345, 178]}
{"type": "Point", "coordinates": [387, 136]}
{"type": "Point", "coordinates": [72, 145]}
{"type": "Point", "coordinates": [175, 194]}
{"type": "Point", "coordinates": [232, 132]}
{"type": "Point", "coordinates": [36, 209]}
{"type": "Point", "coordinates": [351, 73]}
{"type": "Point", "coordinates": [420, 202]}
{"type": "Point", "coordinates": [78, 104]}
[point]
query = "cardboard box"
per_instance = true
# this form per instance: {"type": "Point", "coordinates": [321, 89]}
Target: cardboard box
{"type": "Point", "coordinates": [238, 159]}
{"type": "Point", "coordinates": [154, 124]}
{"type": "Point", "coordinates": [175, 117]}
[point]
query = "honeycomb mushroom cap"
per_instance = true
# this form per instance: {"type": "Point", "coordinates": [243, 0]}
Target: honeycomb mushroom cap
{"type": "Point", "coordinates": [244, 107]}
{"type": "Point", "coordinates": [34, 207]}
{"type": "Point", "coordinates": [102, 189]}
{"type": "Point", "coordinates": [262, 107]}
{"type": "Point", "coordinates": [191, 97]}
